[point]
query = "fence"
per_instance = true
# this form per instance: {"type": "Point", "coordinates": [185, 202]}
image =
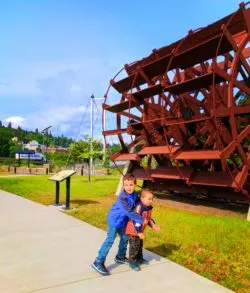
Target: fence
{"type": "Point", "coordinates": [46, 169]}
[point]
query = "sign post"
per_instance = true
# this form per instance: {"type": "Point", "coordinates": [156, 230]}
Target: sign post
{"type": "Point", "coordinates": [57, 193]}
{"type": "Point", "coordinates": [59, 177]}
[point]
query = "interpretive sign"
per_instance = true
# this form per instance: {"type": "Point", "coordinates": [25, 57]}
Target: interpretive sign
{"type": "Point", "coordinates": [59, 177]}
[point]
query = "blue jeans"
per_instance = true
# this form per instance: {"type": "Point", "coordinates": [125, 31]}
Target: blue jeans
{"type": "Point", "coordinates": [107, 244]}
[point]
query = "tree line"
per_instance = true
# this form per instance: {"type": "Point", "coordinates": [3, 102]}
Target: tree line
{"type": "Point", "coordinates": [8, 146]}
{"type": "Point", "coordinates": [78, 151]}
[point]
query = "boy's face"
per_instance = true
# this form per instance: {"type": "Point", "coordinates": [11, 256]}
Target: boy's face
{"type": "Point", "coordinates": [129, 186]}
{"type": "Point", "coordinates": [147, 199]}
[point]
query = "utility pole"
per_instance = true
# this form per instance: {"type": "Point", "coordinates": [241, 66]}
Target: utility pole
{"type": "Point", "coordinates": [104, 127]}
{"type": "Point", "coordinates": [92, 98]}
{"type": "Point", "coordinates": [91, 133]}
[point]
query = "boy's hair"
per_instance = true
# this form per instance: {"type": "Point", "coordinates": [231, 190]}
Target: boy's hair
{"type": "Point", "coordinates": [129, 177]}
{"type": "Point", "coordinates": [145, 191]}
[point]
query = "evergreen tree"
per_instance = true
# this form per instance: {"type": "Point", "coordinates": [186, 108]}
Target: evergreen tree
{"type": "Point", "coordinates": [18, 131]}
{"type": "Point", "coordinates": [23, 136]}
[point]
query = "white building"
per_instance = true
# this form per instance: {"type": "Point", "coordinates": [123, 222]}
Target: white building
{"type": "Point", "coordinates": [32, 145]}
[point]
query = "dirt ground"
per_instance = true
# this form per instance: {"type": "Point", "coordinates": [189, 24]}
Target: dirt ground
{"type": "Point", "coordinates": [203, 206]}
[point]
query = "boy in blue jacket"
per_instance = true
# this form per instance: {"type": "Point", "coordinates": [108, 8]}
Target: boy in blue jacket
{"type": "Point", "coordinates": [119, 214]}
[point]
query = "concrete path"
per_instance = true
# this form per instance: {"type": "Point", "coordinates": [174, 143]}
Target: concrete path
{"type": "Point", "coordinates": [46, 251]}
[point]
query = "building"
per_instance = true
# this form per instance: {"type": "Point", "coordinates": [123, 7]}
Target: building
{"type": "Point", "coordinates": [58, 149]}
{"type": "Point", "coordinates": [15, 139]}
{"type": "Point", "coordinates": [32, 146]}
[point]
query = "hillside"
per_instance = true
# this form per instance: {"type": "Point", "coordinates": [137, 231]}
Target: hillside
{"type": "Point", "coordinates": [8, 145]}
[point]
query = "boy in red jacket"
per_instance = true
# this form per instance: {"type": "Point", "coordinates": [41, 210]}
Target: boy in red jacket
{"type": "Point", "coordinates": [135, 230]}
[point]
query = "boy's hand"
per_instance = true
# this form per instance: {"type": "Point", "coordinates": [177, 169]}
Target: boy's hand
{"type": "Point", "coordinates": [156, 228]}
{"type": "Point", "coordinates": [141, 235]}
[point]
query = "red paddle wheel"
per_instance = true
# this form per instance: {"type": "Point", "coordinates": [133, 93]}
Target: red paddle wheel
{"type": "Point", "coordinates": [182, 114]}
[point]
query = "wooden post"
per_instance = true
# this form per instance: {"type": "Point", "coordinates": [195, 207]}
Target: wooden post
{"type": "Point", "coordinates": [89, 171]}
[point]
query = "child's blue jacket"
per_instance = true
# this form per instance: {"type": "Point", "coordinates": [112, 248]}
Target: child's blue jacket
{"type": "Point", "coordinates": [123, 210]}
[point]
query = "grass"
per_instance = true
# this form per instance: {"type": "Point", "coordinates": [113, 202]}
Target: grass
{"type": "Point", "coordinates": [213, 246]}
{"type": "Point", "coordinates": [42, 190]}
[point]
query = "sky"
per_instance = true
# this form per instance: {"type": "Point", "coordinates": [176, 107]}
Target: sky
{"type": "Point", "coordinates": [55, 54]}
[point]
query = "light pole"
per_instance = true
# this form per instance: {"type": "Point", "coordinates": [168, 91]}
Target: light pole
{"type": "Point", "coordinates": [44, 132]}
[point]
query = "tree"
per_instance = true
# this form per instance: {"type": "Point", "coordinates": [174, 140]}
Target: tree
{"type": "Point", "coordinates": [244, 100]}
{"type": "Point", "coordinates": [5, 140]}
{"type": "Point", "coordinates": [58, 159]}
{"type": "Point", "coordinates": [18, 131]}
{"type": "Point", "coordinates": [87, 156]}
{"type": "Point", "coordinates": [1, 123]}
{"type": "Point", "coordinates": [114, 148]}
{"type": "Point", "coordinates": [13, 147]}
{"type": "Point", "coordinates": [81, 150]}
{"type": "Point", "coordinates": [7, 133]}
{"type": "Point", "coordinates": [106, 162]}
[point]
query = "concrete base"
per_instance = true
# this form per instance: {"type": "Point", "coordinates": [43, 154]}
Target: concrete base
{"type": "Point", "coordinates": [60, 207]}
{"type": "Point", "coordinates": [57, 205]}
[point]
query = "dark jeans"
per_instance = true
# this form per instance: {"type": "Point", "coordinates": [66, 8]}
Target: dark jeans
{"type": "Point", "coordinates": [107, 244]}
{"type": "Point", "coordinates": [135, 248]}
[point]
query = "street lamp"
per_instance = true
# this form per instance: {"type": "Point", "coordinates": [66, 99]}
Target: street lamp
{"type": "Point", "coordinates": [45, 131]}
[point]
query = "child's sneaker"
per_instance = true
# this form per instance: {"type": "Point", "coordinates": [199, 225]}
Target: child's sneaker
{"type": "Point", "coordinates": [100, 268]}
{"type": "Point", "coordinates": [135, 267]}
{"type": "Point", "coordinates": [142, 261]}
{"type": "Point", "coordinates": [122, 260]}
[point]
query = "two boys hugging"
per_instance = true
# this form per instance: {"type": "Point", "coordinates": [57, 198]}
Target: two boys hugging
{"type": "Point", "coordinates": [128, 217]}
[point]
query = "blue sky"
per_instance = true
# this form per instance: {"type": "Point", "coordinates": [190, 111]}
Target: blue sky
{"type": "Point", "coordinates": [55, 54]}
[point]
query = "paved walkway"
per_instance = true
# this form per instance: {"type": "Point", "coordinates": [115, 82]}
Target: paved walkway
{"type": "Point", "coordinates": [46, 251]}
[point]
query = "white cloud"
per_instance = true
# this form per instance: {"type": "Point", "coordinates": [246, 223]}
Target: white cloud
{"type": "Point", "coordinates": [64, 128]}
{"type": "Point", "coordinates": [52, 92]}
{"type": "Point", "coordinates": [64, 120]}
{"type": "Point", "coordinates": [90, 74]}
{"type": "Point", "coordinates": [71, 121]}
{"type": "Point", "coordinates": [75, 89]}
{"type": "Point", "coordinates": [15, 121]}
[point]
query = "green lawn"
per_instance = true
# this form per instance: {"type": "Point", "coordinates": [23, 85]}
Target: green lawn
{"type": "Point", "coordinates": [42, 190]}
{"type": "Point", "coordinates": [213, 246]}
